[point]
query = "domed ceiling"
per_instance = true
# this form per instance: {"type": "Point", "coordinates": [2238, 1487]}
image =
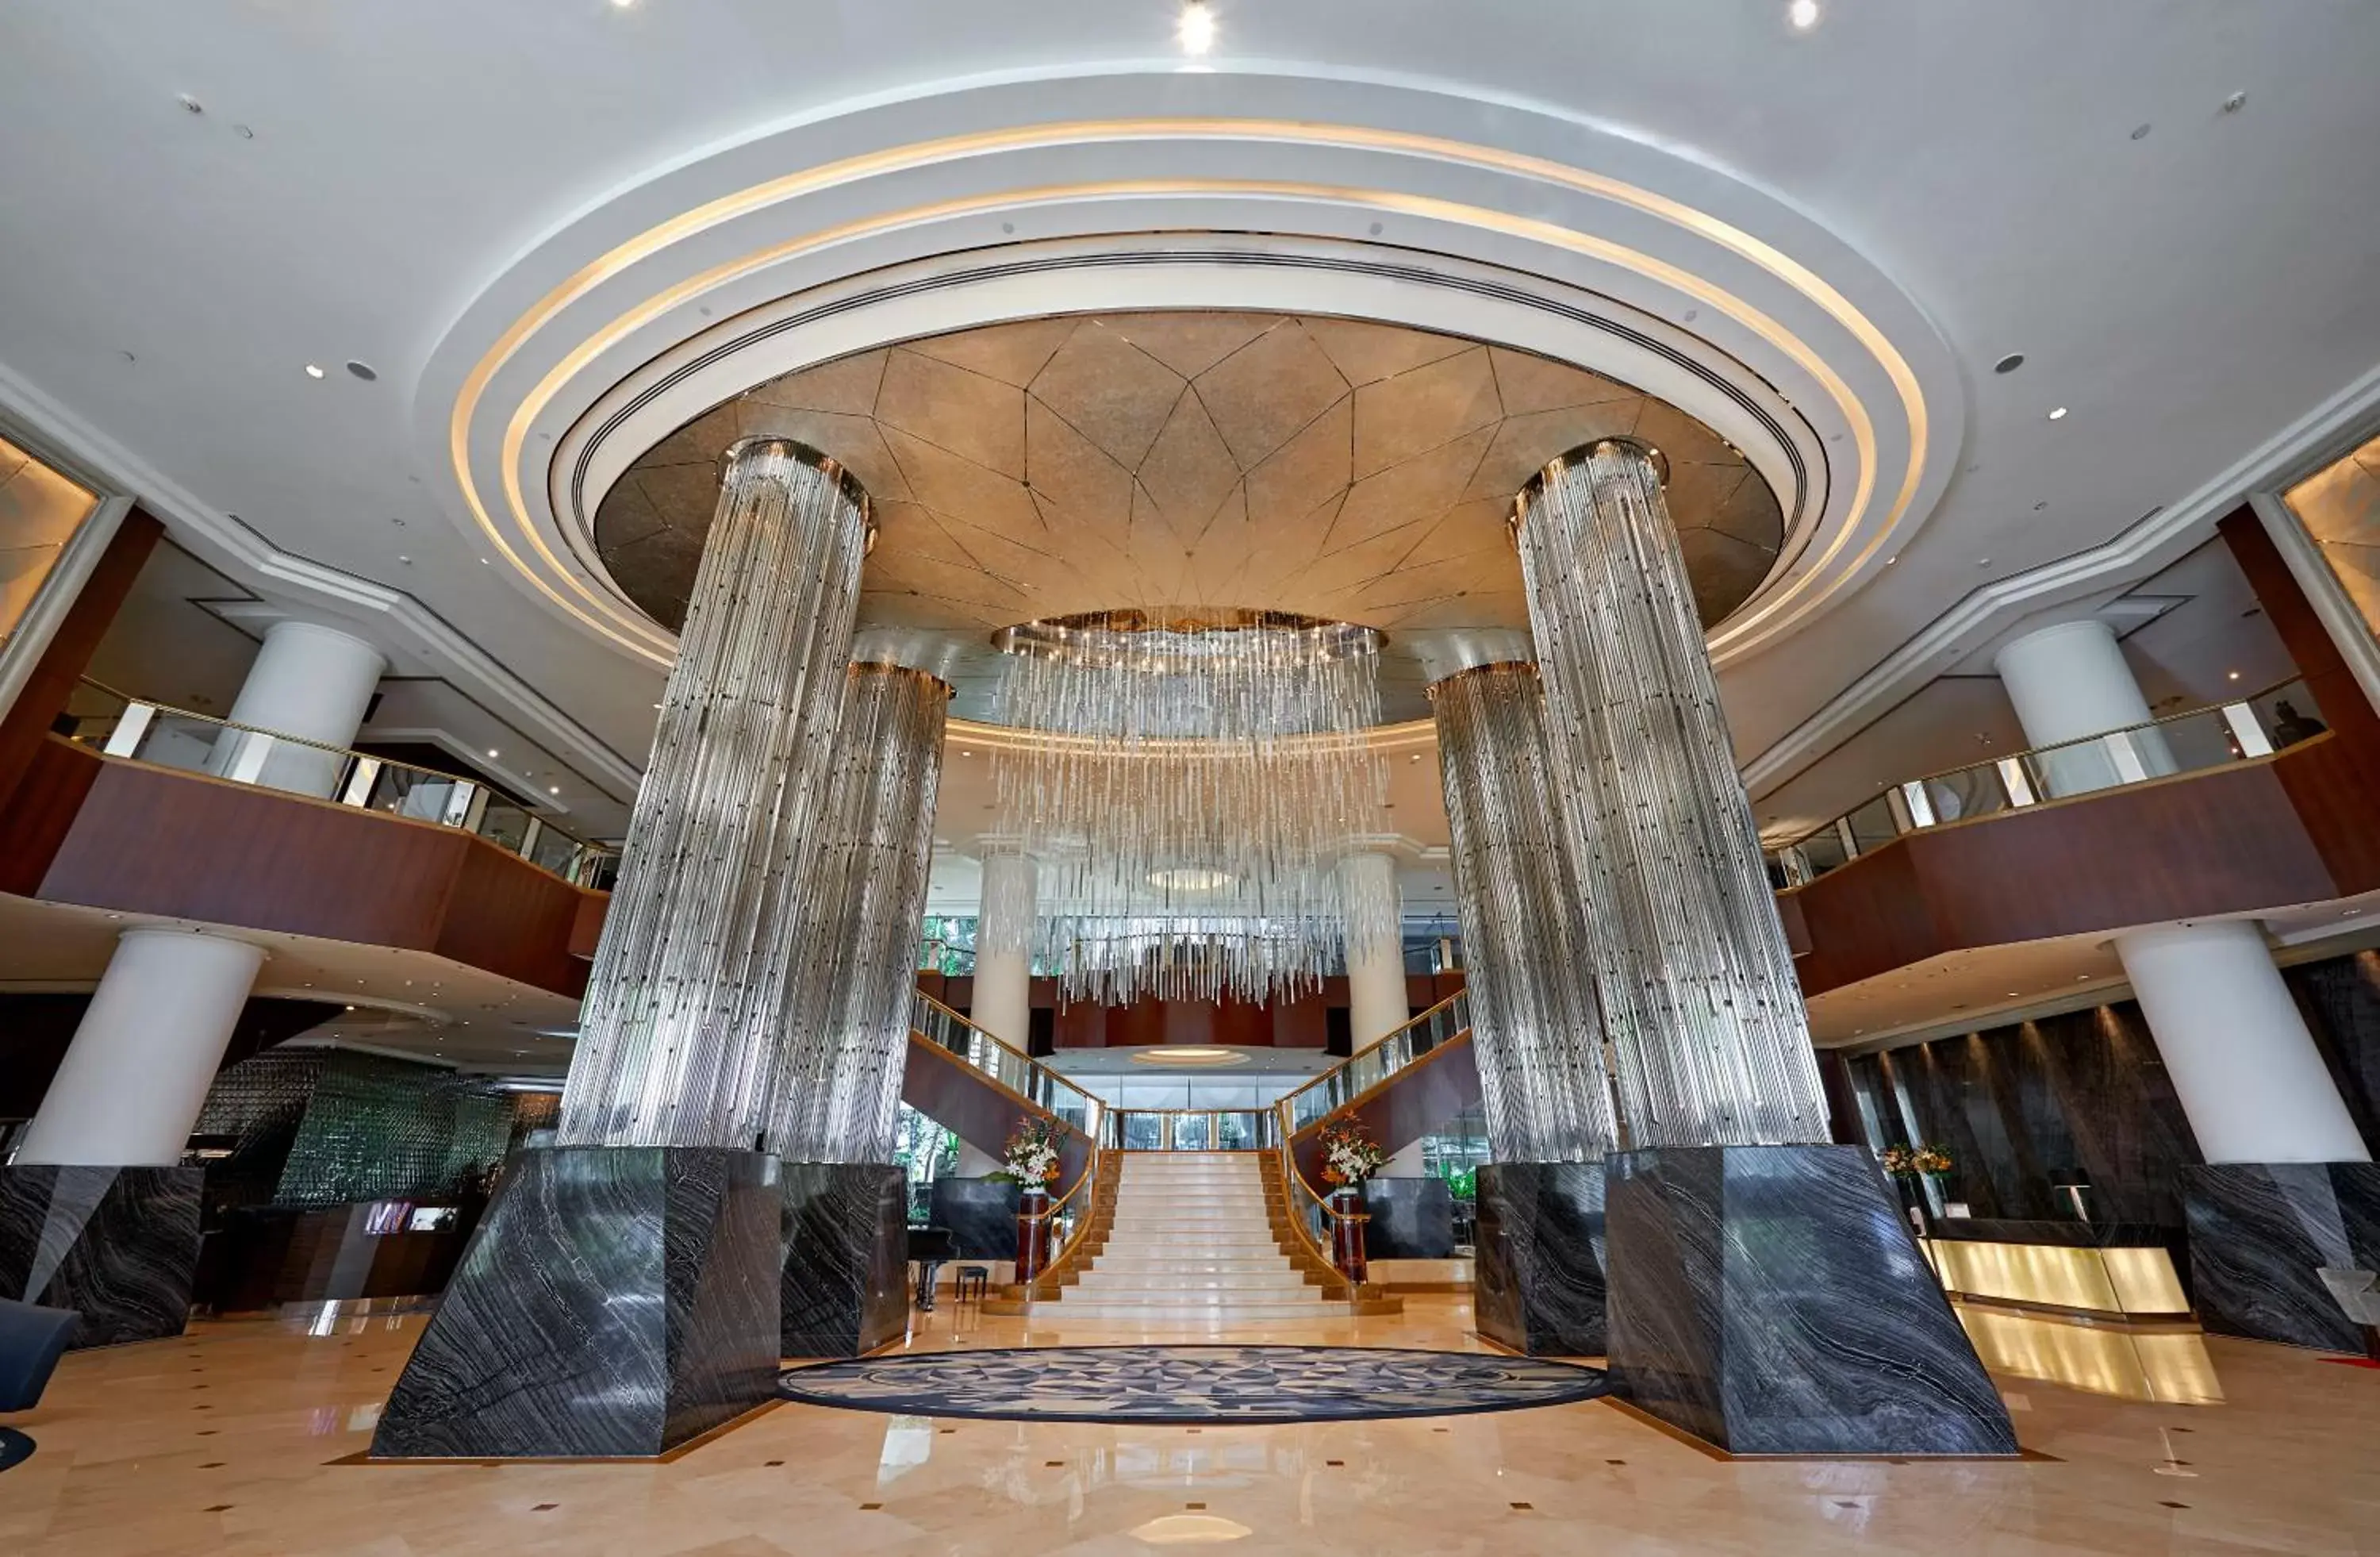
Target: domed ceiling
{"type": "Point", "coordinates": [1330, 468]}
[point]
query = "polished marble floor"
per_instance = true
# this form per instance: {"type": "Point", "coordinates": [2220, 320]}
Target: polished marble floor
{"type": "Point", "coordinates": [222, 1443]}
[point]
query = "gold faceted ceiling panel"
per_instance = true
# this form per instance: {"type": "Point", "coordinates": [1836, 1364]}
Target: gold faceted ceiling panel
{"type": "Point", "coordinates": [1054, 466]}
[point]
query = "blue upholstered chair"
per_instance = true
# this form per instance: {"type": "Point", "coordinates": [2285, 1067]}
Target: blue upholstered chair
{"type": "Point", "coordinates": [32, 1340]}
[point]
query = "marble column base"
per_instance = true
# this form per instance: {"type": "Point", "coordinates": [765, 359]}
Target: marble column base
{"type": "Point", "coordinates": [118, 1246]}
{"type": "Point", "coordinates": [2260, 1233]}
{"type": "Point", "coordinates": [617, 1302]}
{"type": "Point", "coordinates": [1537, 1262]}
{"type": "Point", "coordinates": [1768, 1300]}
{"type": "Point", "coordinates": [1412, 1218]}
{"type": "Point", "coordinates": [846, 1285]}
{"type": "Point", "coordinates": [981, 1215]}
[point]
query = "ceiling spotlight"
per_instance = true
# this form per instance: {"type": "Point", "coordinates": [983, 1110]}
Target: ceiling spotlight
{"type": "Point", "coordinates": [363, 370]}
{"type": "Point", "coordinates": [2057, 415]}
{"type": "Point", "coordinates": [622, 5]}
{"type": "Point", "coordinates": [312, 372]}
{"type": "Point", "coordinates": [1803, 14]}
{"type": "Point", "coordinates": [491, 751]}
{"type": "Point", "coordinates": [553, 789]}
{"type": "Point", "coordinates": [1196, 33]}
{"type": "Point", "coordinates": [2235, 675]}
{"type": "Point", "coordinates": [2010, 364]}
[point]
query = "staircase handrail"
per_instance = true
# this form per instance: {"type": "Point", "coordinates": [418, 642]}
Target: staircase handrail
{"type": "Point", "coordinates": [1040, 1079]}
{"type": "Point", "coordinates": [1453, 1014]}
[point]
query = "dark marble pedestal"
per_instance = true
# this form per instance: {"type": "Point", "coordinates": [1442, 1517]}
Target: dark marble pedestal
{"type": "Point", "coordinates": [617, 1302]}
{"type": "Point", "coordinates": [981, 1215]}
{"type": "Point", "coordinates": [1538, 1257]}
{"type": "Point", "coordinates": [846, 1273]}
{"type": "Point", "coordinates": [1768, 1300]}
{"type": "Point", "coordinates": [1412, 1218]}
{"type": "Point", "coordinates": [2260, 1233]}
{"type": "Point", "coordinates": [118, 1246]}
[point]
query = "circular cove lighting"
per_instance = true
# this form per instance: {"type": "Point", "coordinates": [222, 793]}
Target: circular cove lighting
{"type": "Point", "coordinates": [1197, 32]}
{"type": "Point", "coordinates": [1187, 1057]}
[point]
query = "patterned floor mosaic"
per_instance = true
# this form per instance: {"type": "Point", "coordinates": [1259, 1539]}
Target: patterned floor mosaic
{"type": "Point", "coordinates": [1250, 1385]}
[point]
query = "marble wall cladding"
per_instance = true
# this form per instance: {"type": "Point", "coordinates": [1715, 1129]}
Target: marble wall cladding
{"type": "Point", "coordinates": [1538, 1268]}
{"type": "Point", "coordinates": [617, 1302]}
{"type": "Point", "coordinates": [2260, 1233]}
{"type": "Point", "coordinates": [1769, 1301]}
{"type": "Point", "coordinates": [118, 1246]}
{"type": "Point", "coordinates": [1411, 1219]}
{"type": "Point", "coordinates": [2340, 997]}
{"type": "Point", "coordinates": [2077, 1098]}
{"type": "Point", "coordinates": [846, 1271]}
{"type": "Point", "coordinates": [981, 1215]}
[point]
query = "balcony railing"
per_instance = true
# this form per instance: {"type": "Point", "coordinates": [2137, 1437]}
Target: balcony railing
{"type": "Point", "coordinates": [2194, 741]}
{"type": "Point", "coordinates": [172, 737]}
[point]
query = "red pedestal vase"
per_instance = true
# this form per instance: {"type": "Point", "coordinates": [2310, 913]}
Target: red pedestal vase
{"type": "Point", "coordinates": [1032, 1233]}
{"type": "Point", "coordinates": [1347, 1231]}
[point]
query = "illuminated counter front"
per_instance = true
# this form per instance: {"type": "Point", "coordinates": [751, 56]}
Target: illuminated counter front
{"type": "Point", "coordinates": [2102, 1270]}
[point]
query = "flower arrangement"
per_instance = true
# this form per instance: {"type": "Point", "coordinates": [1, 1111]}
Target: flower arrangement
{"type": "Point", "coordinates": [1350, 1155]}
{"type": "Point", "coordinates": [1032, 1152]}
{"type": "Point", "coordinates": [1909, 1162]}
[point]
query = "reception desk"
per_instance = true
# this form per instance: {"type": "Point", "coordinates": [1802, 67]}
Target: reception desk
{"type": "Point", "coordinates": [2120, 1271]}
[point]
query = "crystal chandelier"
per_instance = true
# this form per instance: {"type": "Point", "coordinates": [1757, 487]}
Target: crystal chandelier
{"type": "Point", "coordinates": [1196, 776]}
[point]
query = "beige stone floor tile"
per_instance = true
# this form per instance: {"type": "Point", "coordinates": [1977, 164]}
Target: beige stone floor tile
{"type": "Point", "coordinates": [143, 1447]}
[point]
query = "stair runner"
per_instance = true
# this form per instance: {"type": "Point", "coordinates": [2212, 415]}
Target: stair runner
{"type": "Point", "coordinates": [1191, 1241]}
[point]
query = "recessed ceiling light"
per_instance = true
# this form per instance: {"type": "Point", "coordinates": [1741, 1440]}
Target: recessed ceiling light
{"type": "Point", "coordinates": [491, 751]}
{"type": "Point", "coordinates": [2010, 364]}
{"type": "Point", "coordinates": [553, 789]}
{"type": "Point", "coordinates": [2139, 132]}
{"type": "Point", "coordinates": [2235, 675]}
{"type": "Point", "coordinates": [1197, 32]}
{"type": "Point", "coordinates": [312, 372]}
{"type": "Point", "coordinates": [2058, 414]}
{"type": "Point", "coordinates": [363, 370]}
{"type": "Point", "coordinates": [1803, 14]}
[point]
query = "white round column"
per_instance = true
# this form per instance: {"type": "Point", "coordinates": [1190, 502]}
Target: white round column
{"type": "Point", "coordinates": [2245, 1067]}
{"type": "Point", "coordinates": [2071, 682]}
{"type": "Point", "coordinates": [1376, 953]}
{"type": "Point", "coordinates": [1002, 1005]}
{"type": "Point", "coordinates": [136, 1075]}
{"type": "Point", "coordinates": [1003, 946]}
{"type": "Point", "coordinates": [309, 681]}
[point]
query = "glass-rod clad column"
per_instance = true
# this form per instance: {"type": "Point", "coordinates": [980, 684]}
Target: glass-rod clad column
{"type": "Point", "coordinates": [1695, 980]}
{"type": "Point", "coordinates": [678, 1038]}
{"type": "Point", "coordinates": [1534, 1026]}
{"type": "Point", "coordinates": [846, 1025]}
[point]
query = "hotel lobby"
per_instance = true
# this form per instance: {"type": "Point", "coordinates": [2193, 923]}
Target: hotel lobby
{"type": "Point", "coordinates": [1097, 777]}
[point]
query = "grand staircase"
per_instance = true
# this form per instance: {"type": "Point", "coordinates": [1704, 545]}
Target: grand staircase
{"type": "Point", "coordinates": [1191, 1241]}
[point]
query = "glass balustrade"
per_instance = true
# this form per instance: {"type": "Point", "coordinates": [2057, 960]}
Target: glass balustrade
{"type": "Point", "coordinates": [2254, 728]}
{"type": "Point", "coordinates": [1334, 1090]}
{"type": "Point", "coordinates": [171, 738]}
{"type": "Point", "coordinates": [1193, 1130]}
{"type": "Point", "coordinates": [1029, 1079]}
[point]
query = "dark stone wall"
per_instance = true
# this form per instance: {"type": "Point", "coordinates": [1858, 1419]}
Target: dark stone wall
{"type": "Point", "coordinates": [325, 1127]}
{"type": "Point", "coordinates": [2083, 1096]}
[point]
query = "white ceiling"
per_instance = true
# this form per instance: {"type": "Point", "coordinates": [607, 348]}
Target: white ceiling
{"type": "Point", "coordinates": [399, 184]}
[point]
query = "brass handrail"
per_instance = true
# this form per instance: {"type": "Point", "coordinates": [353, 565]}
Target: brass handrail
{"type": "Point", "coordinates": [1294, 1093]}
{"type": "Point", "coordinates": [1091, 1114]}
{"type": "Point", "coordinates": [1943, 773]}
{"type": "Point", "coordinates": [1293, 1181]}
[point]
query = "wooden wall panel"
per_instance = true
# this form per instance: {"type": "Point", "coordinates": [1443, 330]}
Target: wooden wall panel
{"type": "Point", "coordinates": [2300, 827]}
{"type": "Point", "coordinates": [25, 723]}
{"type": "Point", "coordinates": [151, 840]}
